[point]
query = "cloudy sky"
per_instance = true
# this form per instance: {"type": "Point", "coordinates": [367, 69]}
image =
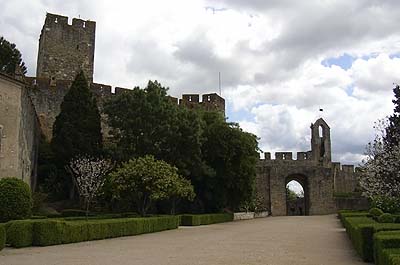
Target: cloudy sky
{"type": "Point", "coordinates": [280, 60]}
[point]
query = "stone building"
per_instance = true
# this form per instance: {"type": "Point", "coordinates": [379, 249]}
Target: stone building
{"type": "Point", "coordinates": [66, 49]}
{"type": "Point", "coordinates": [19, 131]}
{"type": "Point", "coordinates": [318, 175]}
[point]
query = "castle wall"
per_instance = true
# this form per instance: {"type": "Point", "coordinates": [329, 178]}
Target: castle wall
{"type": "Point", "coordinates": [18, 132]}
{"type": "Point", "coordinates": [66, 49]}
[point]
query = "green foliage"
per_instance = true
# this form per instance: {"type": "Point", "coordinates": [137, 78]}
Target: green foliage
{"type": "Point", "coordinates": [383, 241]}
{"type": "Point", "coordinates": [233, 155]}
{"type": "Point", "coordinates": [391, 256]}
{"type": "Point", "coordinates": [387, 204]}
{"type": "Point", "coordinates": [348, 213]}
{"type": "Point", "coordinates": [386, 218]}
{"type": "Point", "coordinates": [2, 236]}
{"type": "Point", "coordinates": [146, 179]}
{"type": "Point", "coordinates": [15, 199]}
{"type": "Point", "coordinates": [54, 232]}
{"type": "Point", "coordinates": [10, 58]}
{"type": "Point", "coordinates": [391, 137]}
{"type": "Point", "coordinates": [218, 157]}
{"type": "Point", "coordinates": [20, 233]}
{"type": "Point", "coordinates": [290, 195]}
{"type": "Point", "coordinates": [72, 213]}
{"type": "Point", "coordinates": [375, 212]}
{"type": "Point", "coordinates": [205, 219]}
{"type": "Point", "coordinates": [77, 129]}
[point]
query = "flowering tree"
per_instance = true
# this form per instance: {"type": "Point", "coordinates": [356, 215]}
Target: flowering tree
{"type": "Point", "coordinates": [89, 175]}
{"type": "Point", "coordinates": [380, 172]}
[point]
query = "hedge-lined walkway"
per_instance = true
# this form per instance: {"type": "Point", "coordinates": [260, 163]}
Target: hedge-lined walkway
{"type": "Point", "coordinates": [315, 240]}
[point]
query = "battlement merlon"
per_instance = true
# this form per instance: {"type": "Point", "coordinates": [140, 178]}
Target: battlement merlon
{"type": "Point", "coordinates": [301, 156]}
{"type": "Point", "coordinates": [53, 20]}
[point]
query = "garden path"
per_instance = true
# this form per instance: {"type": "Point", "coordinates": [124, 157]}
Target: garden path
{"type": "Point", "coordinates": [311, 240]}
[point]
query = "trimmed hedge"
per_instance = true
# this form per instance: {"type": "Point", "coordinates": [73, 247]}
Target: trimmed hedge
{"type": "Point", "coordinates": [386, 218]}
{"type": "Point", "coordinates": [15, 199]}
{"type": "Point", "coordinates": [386, 244]}
{"type": "Point", "coordinates": [348, 213]}
{"type": "Point", "coordinates": [391, 256]}
{"type": "Point", "coordinates": [2, 237]}
{"type": "Point", "coordinates": [46, 232]}
{"type": "Point", "coordinates": [205, 219]}
{"type": "Point", "coordinates": [375, 212]}
{"type": "Point", "coordinates": [20, 233]}
{"type": "Point", "coordinates": [361, 232]}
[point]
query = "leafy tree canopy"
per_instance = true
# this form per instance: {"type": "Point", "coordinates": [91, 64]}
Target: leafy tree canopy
{"type": "Point", "coordinates": [393, 128]}
{"type": "Point", "coordinates": [10, 58]}
{"type": "Point", "coordinates": [146, 180]}
{"type": "Point", "coordinates": [77, 129]}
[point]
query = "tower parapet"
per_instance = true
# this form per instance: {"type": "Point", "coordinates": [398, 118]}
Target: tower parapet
{"type": "Point", "coordinates": [66, 49]}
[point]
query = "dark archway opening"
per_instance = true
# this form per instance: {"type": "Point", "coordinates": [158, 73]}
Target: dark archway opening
{"type": "Point", "coordinates": [297, 198]}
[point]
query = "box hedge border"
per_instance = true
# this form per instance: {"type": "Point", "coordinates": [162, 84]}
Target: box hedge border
{"type": "Point", "coordinates": [361, 230]}
{"type": "Point", "coordinates": [205, 219]}
{"type": "Point", "coordinates": [46, 232]}
{"type": "Point", "coordinates": [2, 236]}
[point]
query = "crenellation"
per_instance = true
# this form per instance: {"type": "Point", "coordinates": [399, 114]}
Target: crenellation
{"type": "Point", "coordinates": [267, 156]}
{"type": "Point", "coordinates": [348, 168]}
{"type": "Point", "coordinates": [120, 90]}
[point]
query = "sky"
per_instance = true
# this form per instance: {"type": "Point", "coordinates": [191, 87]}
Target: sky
{"type": "Point", "coordinates": [280, 60]}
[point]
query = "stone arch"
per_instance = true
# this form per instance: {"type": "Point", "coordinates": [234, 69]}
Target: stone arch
{"type": "Point", "coordinates": [304, 182]}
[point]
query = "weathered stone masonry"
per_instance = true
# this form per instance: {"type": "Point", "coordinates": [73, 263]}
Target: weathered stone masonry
{"type": "Point", "coordinates": [313, 169]}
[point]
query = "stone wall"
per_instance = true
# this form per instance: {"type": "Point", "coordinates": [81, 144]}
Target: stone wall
{"type": "Point", "coordinates": [66, 49]}
{"type": "Point", "coordinates": [18, 132]}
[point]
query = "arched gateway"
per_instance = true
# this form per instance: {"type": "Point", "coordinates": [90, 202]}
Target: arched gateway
{"type": "Point", "coordinates": [314, 170]}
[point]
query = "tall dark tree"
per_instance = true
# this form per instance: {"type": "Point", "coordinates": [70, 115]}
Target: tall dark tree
{"type": "Point", "coordinates": [393, 129]}
{"type": "Point", "coordinates": [233, 155]}
{"type": "Point", "coordinates": [10, 58]}
{"type": "Point", "coordinates": [77, 129]}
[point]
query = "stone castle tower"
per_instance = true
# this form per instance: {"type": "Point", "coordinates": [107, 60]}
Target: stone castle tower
{"type": "Point", "coordinates": [65, 49]}
{"type": "Point", "coordinates": [321, 143]}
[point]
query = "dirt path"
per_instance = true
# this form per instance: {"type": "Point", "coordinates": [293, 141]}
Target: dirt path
{"type": "Point", "coordinates": [314, 240]}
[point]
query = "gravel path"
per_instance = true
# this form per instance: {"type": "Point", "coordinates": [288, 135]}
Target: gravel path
{"type": "Point", "coordinates": [296, 240]}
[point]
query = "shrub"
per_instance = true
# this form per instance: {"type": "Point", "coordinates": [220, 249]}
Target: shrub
{"type": "Point", "coordinates": [386, 244]}
{"type": "Point", "coordinates": [54, 232]}
{"type": "Point", "coordinates": [205, 219]}
{"type": "Point", "coordinates": [386, 218]}
{"type": "Point", "coordinates": [348, 213]}
{"type": "Point", "coordinates": [375, 212]}
{"type": "Point", "coordinates": [2, 237]}
{"type": "Point", "coordinates": [73, 213]}
{"type": "Point", "coordinates": [387, 204]}
{"type": "Point", "coordinates": [20, 233]}
{"type": "Point", "coordinates": [15, 199]}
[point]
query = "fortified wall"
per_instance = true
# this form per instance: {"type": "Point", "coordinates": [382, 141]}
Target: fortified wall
{"type": "Point", "coordinates": [64, 50]}
{"type": "Point", "coordinates": [318, 175]}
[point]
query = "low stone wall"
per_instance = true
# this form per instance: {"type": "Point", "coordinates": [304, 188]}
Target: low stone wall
{"type": "Point", "coordinates": [261, 214]}
{"type": "Point", "coordinates": [249, 215]}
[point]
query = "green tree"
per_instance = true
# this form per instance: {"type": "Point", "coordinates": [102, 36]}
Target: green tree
{"type": "Point", "coordinates": [77, 129]}
{"type": "Point", "coordinates": [10, 58]}
{"type": "Point", "coordinates": [290, 194]}
{"type": "Point", "coordinates": [232, 154]}
{"type": "Point", "coordinates": [143, 122]}
{"type": "Point", "coordinates": [146, 180]}
{"type": "Point", "coordinates": [392, 130]}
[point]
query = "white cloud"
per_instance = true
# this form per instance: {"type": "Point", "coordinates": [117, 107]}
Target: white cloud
{"type": "Point", "coordinates": [268, 52]}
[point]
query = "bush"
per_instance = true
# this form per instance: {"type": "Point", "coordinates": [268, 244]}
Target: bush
{"type": "Point", "coordinates": [387, 204]}
{"type": "Point", "coordinates": [386, 218]}
{"type": "Point", "coordinates": [2, 237]}
{"type": "Point", "coordinates": [361, 231]}
{"type": "Point", "coordinates": [375, 212]}
{"type": "Point", "coordinates": [391, 256]}
{"type": "Point", "coordinates": [15, 199]}
{"type": "Point", "coordinates": [54, 232]}
{"type": "Point", "coordinates": [73, 213]}
{"type": "Point", "coordinates": [20, 233]}
{"type": "Point", "coordinates": [384, 241]}
{"type": "Point", "coordinates": [205, 219]}
{"type": "Point", "coordinates": [349, 213]}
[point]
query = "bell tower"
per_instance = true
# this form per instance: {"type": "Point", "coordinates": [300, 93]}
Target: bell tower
{"type": "Point", "coordinates": [321, 143]}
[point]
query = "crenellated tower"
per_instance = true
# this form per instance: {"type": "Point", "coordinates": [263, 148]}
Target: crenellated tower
{"type": "Point", "coordinates": [66, 49]}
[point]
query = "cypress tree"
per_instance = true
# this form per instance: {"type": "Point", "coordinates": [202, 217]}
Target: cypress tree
{"type": "Point", "coordinates": [393, 130]}
{"type": "Point", "coordinates": [77, 129]}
